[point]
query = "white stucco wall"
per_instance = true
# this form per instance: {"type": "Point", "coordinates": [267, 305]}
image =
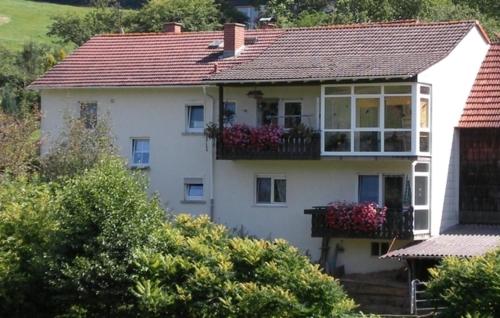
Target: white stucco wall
{"type": "Point", "coordinates": [155, 113]}
{"type": "Point", "coordinates": [309, 183]}
{"type": "Point", "coordinates": [451, 80]}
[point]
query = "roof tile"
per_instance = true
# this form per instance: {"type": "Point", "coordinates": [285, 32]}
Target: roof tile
{"type": "Point", "coordinates": [483, 105]}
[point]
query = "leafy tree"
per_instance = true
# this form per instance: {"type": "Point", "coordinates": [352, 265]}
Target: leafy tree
{"type": "Point", "coordinates": [72, 28]}
{"type": "Point", "coordinates": [77, 148]}
{"type": "Point", "coordinates": [19, 140]}
{"type": "Point", "coordinates": [468, 286]}
{"type": "Point", "coordinates": [195, 15]}
{"type": "Point", "coordinates": [96, 245]}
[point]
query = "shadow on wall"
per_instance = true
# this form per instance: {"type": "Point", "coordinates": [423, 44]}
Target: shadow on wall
{"type": "Point", "coordinates": [450, 208]}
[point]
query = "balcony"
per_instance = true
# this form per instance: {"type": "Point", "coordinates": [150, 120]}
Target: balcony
{"type": "Point", "coordinates": [286, 148]}
{"type": "Point", "coordinates": [397, 224]}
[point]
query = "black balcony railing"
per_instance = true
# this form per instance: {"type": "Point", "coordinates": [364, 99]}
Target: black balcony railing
{"type": "Point", "coordinates": [398, 224]}
{"type": "Point", "coordinates": [289, 148]}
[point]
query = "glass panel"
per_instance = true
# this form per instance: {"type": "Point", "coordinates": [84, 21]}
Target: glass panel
{"type": "Point", "coordinates": [397, 112]}
{"type": "Point", "coordinates": [421, 190]}
{"type": "Point", "coordinates": [393, 193]}
{"type": "Point", "coordinates": [424, 142]}
{"type": "Point", "coordinates": [424, 113]}
{"type": "Point", "coordinates": [397, 141]}
{"type": "Point", "coordinates": [268, 112]}
{"type": "Point", "coordinates": [88, 113]}
{"type": "Point", "coordinates": [421, 219]}
{"type": "Point", "coordinates": [279, 190]}
{"type": "Point", "coordinates": [397, 89]}
{"type": "Point", "coordinates": [195, 190]}
{"type": "Point", "coordinates": [140, 151]}
{"type": "Point", "coordinates": [195, 116]}
{"type": "Point", "coordinates": [367, 141]}
{"type": "Point", "coordinates": [229, 113]}
{"type": "Point", "coordinates": [367, 90]}
{"type": "Point", "coordinates": [263, 190]}
{"type": "Point", "coordinates": [293, 114]}
{"type": "Point", "coordinates": [425, 90]}
{"type": "Point", "coordinates": [367, 112]}
{"type": "Point", "coordinates": [338, 90]}
{"type": "Point", "coordinates": [338, 113]}
{"type": "Point", "coordinates": [422, 167]}
{"type": "Point", "coordinates": [338, 141]}
{"type": "Point", "coordinates": [368, 189]}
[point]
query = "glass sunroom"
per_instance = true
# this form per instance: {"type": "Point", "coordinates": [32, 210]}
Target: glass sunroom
{"type": "Point", "coordinates": [376, 119]}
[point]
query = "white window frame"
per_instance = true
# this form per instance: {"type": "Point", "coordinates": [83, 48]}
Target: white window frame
{"type": "Point", "coordinates": [273, 177]}
{"type": "Point", "coordinates": [417, 123]}
{"type": "Point", "coordinates": [282, 111]}
{"type": "Point", "coordinates": [193, 181]}
{"type": "Point", "coordinates": [235, 118]}
{"type": "Point", "coordinates": [188, 119]}
{"type": "Point", "coordinates": [421, 207]}
{"type": "Point", "coordinates": [379, 246]}
{"type": "Point", "coordinates": [85, 103]}
{"type": "Point", "coordinates": [381, 129]}
{"type": "Point", "coordinates": [380, 183]}
{"type": "Point", "coordinates": [132, 152]}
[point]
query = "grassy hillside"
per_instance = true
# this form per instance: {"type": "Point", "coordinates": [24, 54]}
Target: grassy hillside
{"type": "Point", "coordinates": [24, 20]}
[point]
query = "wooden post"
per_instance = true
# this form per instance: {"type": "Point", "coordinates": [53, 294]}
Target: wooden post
{"type": "Point", "coordinates": [325, 248]}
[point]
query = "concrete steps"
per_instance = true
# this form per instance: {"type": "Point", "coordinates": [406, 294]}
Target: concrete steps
{"type": "Point", "coordinates": [378, 293]}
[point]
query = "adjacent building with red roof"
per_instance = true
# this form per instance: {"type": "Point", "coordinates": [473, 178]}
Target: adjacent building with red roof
{"type": "Point", "coordinates": [299, 118]}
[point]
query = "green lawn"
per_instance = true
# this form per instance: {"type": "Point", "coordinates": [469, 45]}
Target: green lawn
{"type": "Point", "coordinates": [24, 20]}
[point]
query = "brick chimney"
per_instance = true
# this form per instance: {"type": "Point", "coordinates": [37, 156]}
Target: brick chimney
{"type": "Point", "coordinates": [172, 27]}
{"type": "Point", "coordinates": [234, 39]}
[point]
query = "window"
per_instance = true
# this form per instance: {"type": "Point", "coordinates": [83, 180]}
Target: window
{"type": "Point", "coordinates": [379, 248]}
{"type": "Point", "coordinates": [421, 202]}
{"type": "Point", "coordinates": [88, 114]}
{"type": "Point", "coordinates": [140, 152]}
{"type": "Point", "coordinates": [193, 189]}
{"type": "Point", "coordinates": [195, 118]}
{"type": "Point", "coordinates": [368, 189]}
{"type": "Point", "coordinates": [270, 190]}
{"type": "Point", "coordinates": [229, 113]}
{"type": "Point", "coordinates": [424, 122]}
{"type": "Point", "coordinates": [268, 112]}
{"type": "Point", "coordinates": [368, 118]}
{"type": "Point", "coordinates": [293, 114]}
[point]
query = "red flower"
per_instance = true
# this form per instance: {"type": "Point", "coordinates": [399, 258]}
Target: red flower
{"type": "Point", "coordinates": [355, 217]}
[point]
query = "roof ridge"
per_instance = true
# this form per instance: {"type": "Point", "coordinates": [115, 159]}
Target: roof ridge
{"type": "Point", "coordinates": [404, 22]}
{"type": "Point", "coordinates": [407, 22]}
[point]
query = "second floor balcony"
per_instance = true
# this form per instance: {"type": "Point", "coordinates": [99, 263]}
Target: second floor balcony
{"type": "Point", "coordinates": [348, 120]}
{"type": "Point", "coordinates": [270, 142]}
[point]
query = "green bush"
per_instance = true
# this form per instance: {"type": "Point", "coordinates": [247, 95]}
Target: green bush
{"type": "Point", "coordinates": [468, 287]}
{"type": "Point", "coordinates": [196, 269]}
{"type": "Point", "coordinates": [96, 245]}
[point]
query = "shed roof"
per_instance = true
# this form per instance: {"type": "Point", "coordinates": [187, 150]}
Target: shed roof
{"type": "Point", "coordinates": [483, 105]}
{"type": "Point", "coordinates": [459, 240]}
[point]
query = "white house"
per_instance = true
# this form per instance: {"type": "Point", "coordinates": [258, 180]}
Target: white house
{"type": "Point", "coordinates": [382, 102]}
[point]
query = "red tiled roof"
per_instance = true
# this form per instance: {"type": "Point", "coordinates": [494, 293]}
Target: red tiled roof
{"type": "Point", "coordinates": [401, 49]}
{"type": "Point", "coordinates": [397, 49]}
{"type": "Point", "coordinates": [149, 59]}
{"type": "Point", "coordinates": [483, 105]}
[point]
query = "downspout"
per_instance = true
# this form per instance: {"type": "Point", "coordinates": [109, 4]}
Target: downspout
{"type": "Point", "coordinates": [212, 159]}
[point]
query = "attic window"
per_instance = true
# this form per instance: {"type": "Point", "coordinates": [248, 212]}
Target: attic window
{"type": "Point", "coordinates": [250, 40]}
{"type": "Point", "coordinates": [216, 44]}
